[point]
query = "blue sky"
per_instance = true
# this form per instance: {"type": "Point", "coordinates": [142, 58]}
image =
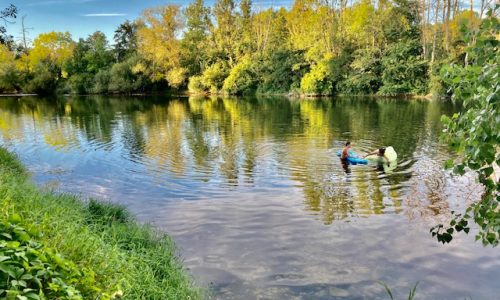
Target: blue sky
{"type": "Point", "coordinates": [82, 17]}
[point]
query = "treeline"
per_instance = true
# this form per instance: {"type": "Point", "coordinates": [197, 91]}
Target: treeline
{"type": "Point", "coordinates": [317, 47]}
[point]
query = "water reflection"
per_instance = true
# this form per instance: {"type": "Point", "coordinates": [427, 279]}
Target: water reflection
{"type": "Point", "coordinates": [266, 190]}
{"type": "Point", "coordinates": [227, 142]}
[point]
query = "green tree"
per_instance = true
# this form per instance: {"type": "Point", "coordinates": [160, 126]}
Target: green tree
{"type": "Point", "coordinates": [403, 70]}
{"type": "Point", "coordinates": [364, 73]}
{"type": "Point", "coordinates": [194, 42]}
{"type": "Point", "coordinates": [125, 40]}
{"type": "Point", "coordinates": [91, 56]}
{"type": "Point", "coordinates": [474, 133]}
{"type": "Point", "coordinates": [225, 35]}
{"type": "Point", "coordinates": [98, 55]}
{"type": "Point", "coordinates": [7, 15]}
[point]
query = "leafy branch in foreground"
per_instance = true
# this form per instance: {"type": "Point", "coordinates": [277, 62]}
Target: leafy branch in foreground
{"type": "Point", "coordinates": [475, 133]}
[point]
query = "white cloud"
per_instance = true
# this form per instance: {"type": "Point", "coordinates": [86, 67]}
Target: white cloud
{"type": "Point", "coordinates": [105, 15]}
{"type": "Point", "coordinates": [52, 2]}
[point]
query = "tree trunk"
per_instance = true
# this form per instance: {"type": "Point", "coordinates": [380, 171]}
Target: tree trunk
{"type": "Point", "coordinates": [455, 8]}
{"type": "Point", "coordinates": [424, 48]}
{"type": "Point", "coordinates": [436, 13]}
{"type": "Point", "coordinates": [471, 10]}
{"type": "Point", "coordinates": [447, 27]}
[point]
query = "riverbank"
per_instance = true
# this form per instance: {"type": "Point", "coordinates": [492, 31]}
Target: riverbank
{"type": "Point", "coordinates": [288, 95]}
{"type": "Point", "coordinates": [90, 250]}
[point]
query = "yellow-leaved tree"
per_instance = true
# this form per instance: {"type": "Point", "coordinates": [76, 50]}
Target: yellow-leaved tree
{"type": "Point", "coordinates": [52, 47]}
{"type": "Point", "coordinates": [8, 71]}
{"type": "Point", "coordinates": [159, 44]}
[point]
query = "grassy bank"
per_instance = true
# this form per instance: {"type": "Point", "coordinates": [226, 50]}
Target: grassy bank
{"type": "Point", "coordinates": [57, 246]}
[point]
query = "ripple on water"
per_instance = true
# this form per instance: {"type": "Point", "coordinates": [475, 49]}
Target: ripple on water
{"type": "Point", "coordinates": [255, 197]}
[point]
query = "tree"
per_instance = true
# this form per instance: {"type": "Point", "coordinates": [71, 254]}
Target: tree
{"type": "Point", "coordinates": [98, 56]}
{"type": "Point", "coordinates": [91, 56]}
{"type": "Point", "coordinates": [403, 70]}
{"type": "Point", "coordinates": [7, 14]}
{"type": "Point", "coordinates": [194, 42]}
{"type": "Point", "coordinates": [53, 47]}
{"type": "Point", "coordinates": [125, 40]}
{"type": "Point", "coordinates": [9, 75]}
{"type": "Point", "coordinates": [225, 35]}
{"type": "Point", "coordinates": [158, 43]}
{"type": "Point", "coordinates": [474, 133]}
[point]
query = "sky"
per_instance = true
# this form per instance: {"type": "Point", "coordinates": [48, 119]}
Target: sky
{"type": "Point", "coordinates": [83, 17]}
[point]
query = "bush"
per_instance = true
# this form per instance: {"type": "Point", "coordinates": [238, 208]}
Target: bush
{"type": "Point", "coordinates": [403, 70]}
{"type": "Point", "coordinates": [42, 82]}
{"type": "Point", "coordinates": [81, 83]}
{"type": "Point", "coordinates": [242, 79]}
{"type": "Point", "coordinates": [128, 76]}
{"type": "Point", "coordinates": [9, 77]}
{"type": "Point", "coordinates": [319, 80]}
{"type": "Point", "coordinates": [176, 77]}
{"type": "Point", "coordinates": [213, 77]}
{"type": "Point", "coordinates": [280, 71]}
{"type": "Point", "coordinates": [29, 270]}
{"type": "Point", "coordinates": [364, 73]}
{"type": "Point", "coordinates": [196, 86]}
{"type": "Point", "coordinates": [101, 82]}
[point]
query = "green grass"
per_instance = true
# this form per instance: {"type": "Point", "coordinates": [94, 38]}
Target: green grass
{"type": "Point", "coordinates": [122, 256]}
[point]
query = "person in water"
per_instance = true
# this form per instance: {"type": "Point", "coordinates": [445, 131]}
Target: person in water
{"type": "Point", "coordinates": [345, 150]}
{"type": "Point", "coordinates": [379, 152]}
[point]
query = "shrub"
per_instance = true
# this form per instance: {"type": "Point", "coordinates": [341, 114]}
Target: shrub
{"type": "Point", "coordinates": [101, 82]}
{"type": "Point", "coordinates": [176, 77]}
{"type": "Point", "coordinates": [81, 83]}
{"type": "Point", "coordinates": [196, 85]}
{"type": "Point", "coordinates": [364, 73]}
{"type": "Point", "coordinates": [42, 82]}
{"type": "Point", "coordinates": [403, 70]}
{"type": "Point", "coordinates": [128, 76]}
{"type": "Point", "coordinates": [29, 270]}
{"type": "Point", "coordinates": [319, 80]}
{"type": "Point", "coordinates": [280, 71]}
{"type": "Point", "coordinates": [213, 77]}
{"type": "Point", "coordinates": [242, 79]}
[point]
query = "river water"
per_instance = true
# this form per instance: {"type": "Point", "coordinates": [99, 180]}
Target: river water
{"type": "Point", "coordinates": [254, 196]}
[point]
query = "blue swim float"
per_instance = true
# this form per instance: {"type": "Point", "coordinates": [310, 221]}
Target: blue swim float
{"type": "Point", "coordinates": [353, 158]}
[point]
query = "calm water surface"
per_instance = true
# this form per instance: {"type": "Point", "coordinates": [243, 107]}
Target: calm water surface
{"type": "Point", "coordinates": [254, 195]}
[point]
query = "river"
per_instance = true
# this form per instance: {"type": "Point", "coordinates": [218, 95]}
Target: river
{"type": "Point", "coordinates": [254, 196]}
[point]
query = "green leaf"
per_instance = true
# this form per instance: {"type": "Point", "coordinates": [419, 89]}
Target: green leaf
{"type": "Point", "coordinates": [448, 164]}
{"type": "Point", "coordinates": [13, 244]}
{"type": "Point", "coordinates": [487, 171]}
{"type": "Point", "coordinates": [5, 234]}
{"type": "Point", "coordinates": [15, 218]}
{"type": "Point", "coordinates": [27, 277]}
{"type": "Point", "coordinates": [7, 270]}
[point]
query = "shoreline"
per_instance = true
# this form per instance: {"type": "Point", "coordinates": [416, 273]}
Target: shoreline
{"type": "Point", "coordinates": [100, 250]}
{"type": "Point", "coordinates": [288, 95]}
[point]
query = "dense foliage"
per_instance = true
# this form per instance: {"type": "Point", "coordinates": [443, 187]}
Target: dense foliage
{"type": "Point", "coordinates": [314, 47]}
{"type": "Point", "coordinates": [475, 132]}
{"type": "Point", "coordinates": [28, 270]}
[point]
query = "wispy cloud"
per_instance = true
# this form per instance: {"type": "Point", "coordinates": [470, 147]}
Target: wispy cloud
{"type": "Point", "coordinates": [52, 2]}
{"type": "Point", "coordinates": [105, 15]}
